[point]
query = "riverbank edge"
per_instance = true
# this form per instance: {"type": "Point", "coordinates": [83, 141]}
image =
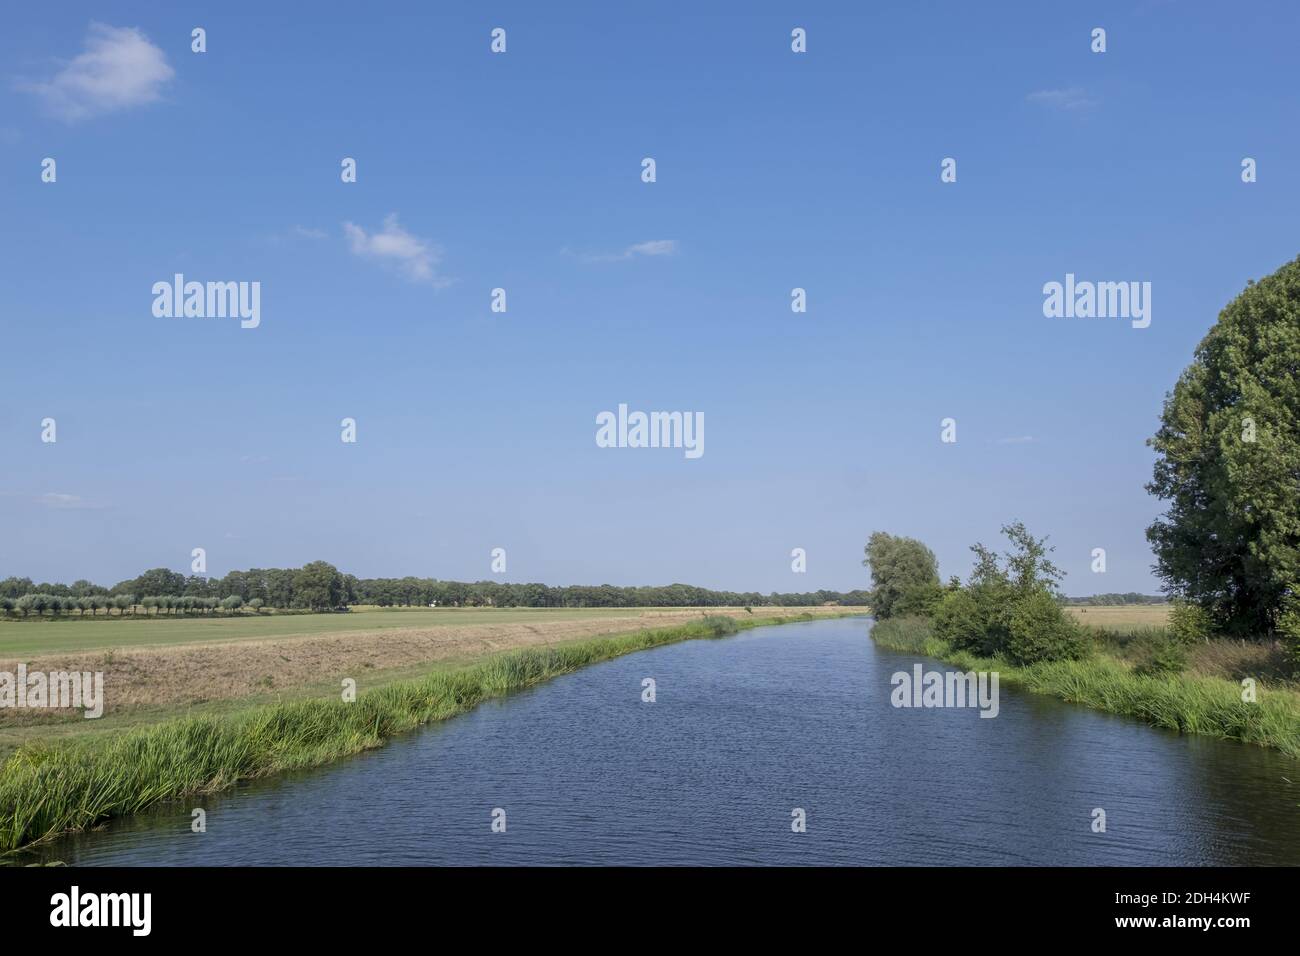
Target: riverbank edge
{"type": "Point", "coordinates": [1209, 706]}
{"type": "Point", "coordinates": [47, 790]}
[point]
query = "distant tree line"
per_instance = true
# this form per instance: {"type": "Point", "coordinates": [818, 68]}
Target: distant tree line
{"type": "Point", "coordinates": [321, 586]}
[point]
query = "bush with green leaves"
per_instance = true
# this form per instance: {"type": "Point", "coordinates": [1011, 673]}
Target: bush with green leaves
{"type": "Point", "coordinates": [1039, 629]}
{"type": "Point", "coordinates": [1009, 608]}
{"type": "Point", "coordinates": [975, 618]}
{"type": "Point", "coordinates": [1189, 623]}
{"type": "Point", "coordinates": [919, 600]}
{"type": "Point", "coordinates": [1168, 656]}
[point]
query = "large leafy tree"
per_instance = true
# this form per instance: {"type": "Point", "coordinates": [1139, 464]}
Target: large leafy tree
{"type": "Point", "coordinates": [1229, 463]}
{"type": "Point", "coordinates": [156, 581]}
{"type": "Point", "coordinates": [904, 576]}
{"type": "Point", "coordinates": [317, 585]}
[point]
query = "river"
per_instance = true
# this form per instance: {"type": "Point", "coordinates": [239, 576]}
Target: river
{"type": "Point", "coordinates": [745, 731]}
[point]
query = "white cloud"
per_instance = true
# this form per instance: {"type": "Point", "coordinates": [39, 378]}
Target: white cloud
{"type": "Point", "coordinates": [1072, 98]}
{"type": "Point", "coordinates": [118, 69]}
{"type": "Point", "coordinates": [655, 247]}
{"type": "Point", "coordinates": [652, 247]}
{"type": "Point", "coordinates": [415, 258]}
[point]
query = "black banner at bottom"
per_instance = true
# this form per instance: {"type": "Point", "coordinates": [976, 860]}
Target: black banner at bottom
{"type": "Point", "coordinates": [1215, 904]}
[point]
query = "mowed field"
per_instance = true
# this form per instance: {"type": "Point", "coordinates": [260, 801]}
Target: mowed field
{"type": "Point", "coordinates": [1122, 616]}
{"type": "Point", "coordinates": [158, 668]}
{"type": "Point", "coordinates": [19, 638]}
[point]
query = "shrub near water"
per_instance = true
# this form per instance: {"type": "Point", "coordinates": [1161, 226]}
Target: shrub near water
{"type": "Point", "coordinates": [1189, 623]}
{"type": "Point", "coordinates": [1164, 656]}
{"type": "Point", "coordinates": [1007, 618]}
{"type": "Point", "coordinates": [974, 619]}
{"type": "Point", "coordinates": [1040, 630]}
{"type": "Point", "coordinates": [1009, 607]}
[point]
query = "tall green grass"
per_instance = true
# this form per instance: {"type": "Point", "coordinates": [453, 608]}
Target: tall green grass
{"type": "Point", "coordinates": [1185, 703]}
{"type": "Point", "coordinates": [49, 789]}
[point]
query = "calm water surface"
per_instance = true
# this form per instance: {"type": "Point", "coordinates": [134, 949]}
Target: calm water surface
{"type": "Point", "coordinates": [744, 730]}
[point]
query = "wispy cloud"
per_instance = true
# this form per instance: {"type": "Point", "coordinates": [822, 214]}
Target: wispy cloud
{"type": "Point", "coordinates": [1072, 98]}
{"type": "Point", "coordinates": [652, 247]}
{"type": "Point", "coordinates": [118, 69]}
{"type": "Point", "coordinates": [413, 257]}
{"type": "Point", "coordinates": [64, 502]}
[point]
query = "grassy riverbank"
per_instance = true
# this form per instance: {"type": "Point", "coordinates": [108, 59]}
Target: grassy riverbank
{"type": "Point", "coordinates": [1189, 703]}
{"type": "Point", "coordinates": [49, 788]}
{"type": "Point", "coordinates": [156, 669]}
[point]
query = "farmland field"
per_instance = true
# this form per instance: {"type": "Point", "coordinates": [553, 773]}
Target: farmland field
{"type": "Point", "coordinates": [19, 638]}
{"type": "Point", "coordinates": [1122, 616]}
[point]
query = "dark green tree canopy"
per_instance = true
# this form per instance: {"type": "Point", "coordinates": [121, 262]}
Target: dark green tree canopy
{"type": "Point", "coordinates": [317, 585]}
{"type": "Point", "coordinates": [1229, 463]}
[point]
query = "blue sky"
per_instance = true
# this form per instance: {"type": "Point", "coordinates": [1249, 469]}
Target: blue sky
{"type": "Point", "coordinates": [522, 171]}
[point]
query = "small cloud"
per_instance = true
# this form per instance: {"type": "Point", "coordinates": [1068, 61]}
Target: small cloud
{"type": "Point", "coordinates": [655, 247]}
{"type": "Point", "coordinates": [1016, 440]}
{"type": "Point", "coordinates": [652, 247]}
{"type": "Point", "coordinates": [118, 69]}
{"type": "Point", "coordinates": [413, 257]}
{"type": "Point", "coordinates": [1073, 98]}
{"type": "Point", "coordinates": [302, 232]}
{"type": "Point", "coordinates": [62, 502]}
